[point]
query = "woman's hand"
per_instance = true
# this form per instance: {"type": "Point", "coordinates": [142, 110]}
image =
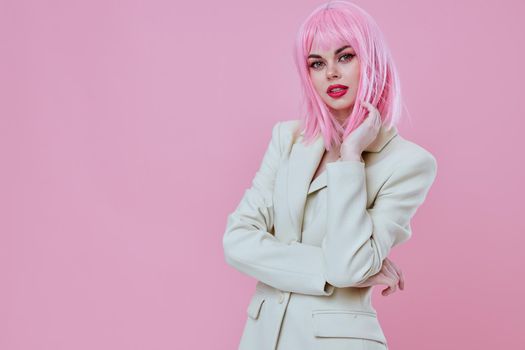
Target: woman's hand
{"type": "Point", "coordinates": [389, 275]}
{"type": "Point", "coordinates": [361, 137]}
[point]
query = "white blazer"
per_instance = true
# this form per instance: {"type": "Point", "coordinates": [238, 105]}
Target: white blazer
{"type": "Point", "coordinates": [369, 208]}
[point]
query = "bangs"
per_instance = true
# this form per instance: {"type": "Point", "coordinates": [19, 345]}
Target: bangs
{"type": "Point", "coordinates": [326, 32]}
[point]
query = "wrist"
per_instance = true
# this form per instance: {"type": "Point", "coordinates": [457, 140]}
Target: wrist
{"type": "Point", "coordinates": [350, 154]}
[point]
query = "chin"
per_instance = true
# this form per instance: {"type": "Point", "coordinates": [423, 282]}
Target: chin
{"type": "Point", "coordinates": [341, 106]}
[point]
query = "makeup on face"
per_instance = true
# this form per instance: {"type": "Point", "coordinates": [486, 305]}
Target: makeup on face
{"type": "Point", "coordinates": [315, 64]}
{"type": "Point", "coordinates": [335, 53]}
{"type": "Point", "coordinates": [336, 90]}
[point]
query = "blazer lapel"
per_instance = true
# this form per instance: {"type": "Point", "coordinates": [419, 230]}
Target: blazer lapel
{"type": "Point", "coordinates": [304, 161]}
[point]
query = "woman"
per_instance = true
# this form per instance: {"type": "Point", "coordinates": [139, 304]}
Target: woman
{"type": "Point", "coordinates": [334, 194]}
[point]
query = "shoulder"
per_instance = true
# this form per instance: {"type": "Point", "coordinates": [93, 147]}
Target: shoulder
{"type": "Point", "coordinates": [406, 154]}
{"type": "Point", "coordinates": [289, 127]}
{"type": "Point", "coordinates": [285, 132]}
{"type": "Point", "coordinates": [400, 152]}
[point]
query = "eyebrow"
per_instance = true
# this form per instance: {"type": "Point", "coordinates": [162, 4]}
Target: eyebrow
{"type": "Point", "coordinates": [336, 51]}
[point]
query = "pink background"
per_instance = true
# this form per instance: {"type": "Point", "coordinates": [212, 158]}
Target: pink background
{"type": "Point", "coordinates": [130, 130]}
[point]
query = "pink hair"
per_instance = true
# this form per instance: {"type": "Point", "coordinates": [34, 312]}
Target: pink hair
{"type": "Point", "coordinates": [337, 23]}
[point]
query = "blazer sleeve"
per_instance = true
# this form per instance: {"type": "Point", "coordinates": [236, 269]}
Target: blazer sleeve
{"type": "Point", "coordinates": [358, 239]}
{"type": "Point", "coordinates": [250, 248]}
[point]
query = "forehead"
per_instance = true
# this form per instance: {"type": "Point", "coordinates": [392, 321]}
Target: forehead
{"type": "Point", "coordinates": [322, 44]}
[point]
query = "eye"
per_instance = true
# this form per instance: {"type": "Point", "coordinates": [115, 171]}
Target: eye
{"type": "Point", "coordinates": [348, 54]}
{"type": "Point", "coordinates": [314, 66]}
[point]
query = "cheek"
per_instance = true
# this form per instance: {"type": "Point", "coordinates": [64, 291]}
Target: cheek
{"type": "Point", "coordinates": [353, 74]}
{"type": "Point", "coordinates": [355, 77]}
{"type": "Point", "coordinates": [316, 81]}
{"type": "Point", "coordinates": [349, 69]}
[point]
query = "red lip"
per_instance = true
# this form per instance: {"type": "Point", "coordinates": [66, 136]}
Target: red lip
{"type": "Point", "coordinates": [336, 86]}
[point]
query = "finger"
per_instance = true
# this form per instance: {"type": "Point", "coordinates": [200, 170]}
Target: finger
{"type": "Point", "coordinates": [377, 117]}
{"type": "Point", "coordinates": [377, 121]}
{"type": "Point", "coordinates": [379, 279]}
{"type": "Point", "coordinates": [374, 114]}
{"type": "Point", "coordinates": [392, 279]}
{"type": "Point", "coordinates": [393, 286]}
{"type": "Point", "coordinates": [398, 272]}
{"type": "Point", "coordinates": [401, 277]}
{"type": "Point", "coordinates": [389, 280]}
{"type": "Point", "coordinates": [389, 290]}
{"type": "Point", "coordinates": [370, 108]}
{"type": "Point", "coordinates": [391, 271]}
{"type": "Point", "coordinates": [370, 112]}
{"type": "Point", "coordinates": [390, 266]}
{"type": "Point", "coordinates": [382, 278]}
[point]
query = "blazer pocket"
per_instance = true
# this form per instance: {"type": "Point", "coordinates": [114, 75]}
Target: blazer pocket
{"type": "Point", "coordinates": [347, 324]}
{"type": "Point", "coordinates": [254, 308]}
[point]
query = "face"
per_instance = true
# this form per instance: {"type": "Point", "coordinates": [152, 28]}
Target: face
{"type": "Point", "coordinates": [338, 66]}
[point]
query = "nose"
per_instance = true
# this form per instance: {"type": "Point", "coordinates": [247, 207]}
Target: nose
{"type": "Point", "coordinates": [332, 73]}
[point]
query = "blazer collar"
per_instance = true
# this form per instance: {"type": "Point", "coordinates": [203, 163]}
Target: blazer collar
{"type": "Point", "coordinates": [304, 161]}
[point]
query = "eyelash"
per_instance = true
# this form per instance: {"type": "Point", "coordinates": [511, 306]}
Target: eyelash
{"type": "Point", "coordinates": [313, 63]}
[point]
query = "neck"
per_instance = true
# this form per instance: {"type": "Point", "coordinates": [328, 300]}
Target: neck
{"type": "Point", "coordinates": [341, 114]}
